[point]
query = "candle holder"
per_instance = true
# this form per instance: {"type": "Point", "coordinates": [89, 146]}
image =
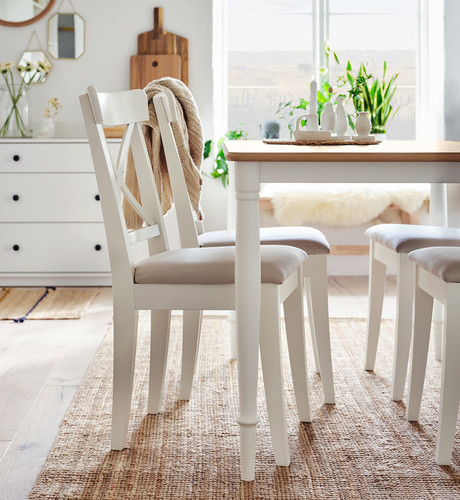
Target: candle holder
{"type": "Point", "coordinates": [312, 133]}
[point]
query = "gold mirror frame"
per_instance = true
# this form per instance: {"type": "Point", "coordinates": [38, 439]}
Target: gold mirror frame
{"type": "Point", "coordinates": [31, 20]}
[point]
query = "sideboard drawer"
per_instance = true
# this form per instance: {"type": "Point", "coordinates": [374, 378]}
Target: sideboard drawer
{"type": "Point", "coordinates": [53, 248]}
{"type": "Point", "coordinates": [54, 197]}
{"type": "Point", "coordinates": [37, 157]}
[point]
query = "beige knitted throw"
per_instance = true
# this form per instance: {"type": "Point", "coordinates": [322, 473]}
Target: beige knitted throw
{"type": "Point", "coordinates": [188, 133]}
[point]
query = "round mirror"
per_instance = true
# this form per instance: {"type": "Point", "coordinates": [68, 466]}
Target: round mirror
{"type": "Point", "coordinates": [23, 12]}
{"type": "Point", "coordinates": [66, 36]}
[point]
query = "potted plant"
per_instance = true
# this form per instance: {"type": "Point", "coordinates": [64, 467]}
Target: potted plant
{"type": "Point", "coordinates": [373, 95]}
{"type": "Point", "coordinates": [220, 167]}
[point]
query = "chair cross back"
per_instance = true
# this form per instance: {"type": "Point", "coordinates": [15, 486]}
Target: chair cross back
{"type": "Point", "coordinates": [164, 103]}
{"type": "Point", "coordinates": [124, 108]}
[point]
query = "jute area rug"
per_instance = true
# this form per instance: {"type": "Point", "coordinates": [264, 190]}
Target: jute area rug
{"type": "Point", "coordinates": [45, 302]}
{"type": "Point", "coordinates": [360, 448]}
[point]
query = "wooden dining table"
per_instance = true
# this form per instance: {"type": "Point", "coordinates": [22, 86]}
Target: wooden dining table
{"type": "Point", "coordinates": [256, 162]}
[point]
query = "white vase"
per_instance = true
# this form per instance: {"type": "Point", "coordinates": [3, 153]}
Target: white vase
{"type": "Point", "coordinates": [47, 128]}
{"type": "Point", "coordinates": [328, 118]}
{"type": "Point", "coordinates": [341, 119]}
{"type": "Point", "coordinates": [363, 124]}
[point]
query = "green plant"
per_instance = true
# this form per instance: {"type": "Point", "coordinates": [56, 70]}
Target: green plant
{"type": "Point", "coordinates": [220, 166]}
{"type": "Point", "coordinates": [370, 94]}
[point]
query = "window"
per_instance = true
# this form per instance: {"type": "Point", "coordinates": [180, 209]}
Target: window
{"type": "Point", "coordinates": [276, 47]}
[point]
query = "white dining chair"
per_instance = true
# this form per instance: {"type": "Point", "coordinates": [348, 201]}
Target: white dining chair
{"type": "Point", "coordinates": [147, 275]}
{"type": "Point", "coordinates": [309, 239]}
{"type": "Point", "coordinates": [390, 245]}
{"type": "Point", "coordinates": [438, 277]}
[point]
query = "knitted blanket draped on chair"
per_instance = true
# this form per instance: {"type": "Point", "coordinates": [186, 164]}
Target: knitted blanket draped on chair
{"type": "Point", "coordinates": [188, 132]}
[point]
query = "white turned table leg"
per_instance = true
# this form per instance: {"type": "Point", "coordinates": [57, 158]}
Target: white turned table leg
{"type": "Point", "coordinates": [248, 292]}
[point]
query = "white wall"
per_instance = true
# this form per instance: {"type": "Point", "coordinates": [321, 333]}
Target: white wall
{"type": "Point", "coordinates": [112, 27]}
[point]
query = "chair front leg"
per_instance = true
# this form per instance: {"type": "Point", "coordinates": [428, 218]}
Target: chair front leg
{"type": "Point", "coordinates": [423, 310]}
{"type": "Point", "coordinates": [404, 314]}
{"type": "Point", "coordinates": [125, 322]}
{"type": "Point", "coordinates": [450, 384]}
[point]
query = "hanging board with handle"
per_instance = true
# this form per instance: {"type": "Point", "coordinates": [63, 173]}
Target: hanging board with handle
{"type": "Point", "coordinates": [155, 43]}
{"type": "Point", "coordinates": [144, 69]}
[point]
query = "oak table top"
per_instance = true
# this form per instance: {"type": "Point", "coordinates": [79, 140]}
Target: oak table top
{"type": "Point", "coordinates": [386, 151]}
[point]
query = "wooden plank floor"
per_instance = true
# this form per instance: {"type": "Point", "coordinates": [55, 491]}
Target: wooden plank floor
{"type": "Point", "coordinates": [43, 362]}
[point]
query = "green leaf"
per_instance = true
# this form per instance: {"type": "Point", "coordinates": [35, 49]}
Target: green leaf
{"type": "Point", "coordinates": [207, 149]}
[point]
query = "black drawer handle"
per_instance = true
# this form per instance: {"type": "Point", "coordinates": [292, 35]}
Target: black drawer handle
{"type": "Point", "coordinates": [97, 248]}
{"type": "Point", "coordinates": [15, 197]}
{"type": "Point", "coordinates": [16, 248]}
{"type": "Point", "coordinates": [16, 158]}
{"type": "Point", "coordinates": [155, 64]}
{"type": "Point", "coordinates": [97, 197]}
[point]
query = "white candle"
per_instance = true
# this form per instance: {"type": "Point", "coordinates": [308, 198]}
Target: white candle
{"type": "Point", "coordinates": [313, 97]}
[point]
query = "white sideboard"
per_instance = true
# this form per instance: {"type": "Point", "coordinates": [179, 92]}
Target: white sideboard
{"type": "Point", "coordinates": [51, 227]}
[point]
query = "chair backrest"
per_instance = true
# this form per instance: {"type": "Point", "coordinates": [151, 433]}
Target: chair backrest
{"type": "Point", "coordinates": [128, 108]}
{"type": "Point", "coordinates": [166, 114]}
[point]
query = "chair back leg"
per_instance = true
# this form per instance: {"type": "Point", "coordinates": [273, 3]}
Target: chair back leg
{"type": "Point", "coordinates": [272, 367]}
{"type": "Point", "coordinates": [377, 277]}
{"type": "Point", "coordinates": [190, 345]}
{"type": "Point", "coordinates": [317, 269]}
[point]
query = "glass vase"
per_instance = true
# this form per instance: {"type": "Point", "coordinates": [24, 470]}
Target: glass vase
{"type": "Point", "coordinates": [14, 111]}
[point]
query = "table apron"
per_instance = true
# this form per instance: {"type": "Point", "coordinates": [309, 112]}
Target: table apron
{"type": "Point", "coordinates": [355, 172]}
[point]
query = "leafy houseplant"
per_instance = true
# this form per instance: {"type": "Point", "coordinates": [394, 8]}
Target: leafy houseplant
{"type": "Point", "coordinates": [220, 167]}
{"type": "Point", "coordinates": [373, 95]}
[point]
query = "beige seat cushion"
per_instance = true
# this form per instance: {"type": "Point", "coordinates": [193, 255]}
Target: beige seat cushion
{"type": "Point", "coordinates": [215, 266]}
{"type": "Point", "coordinates": [403, 238]}
{"type": "Point", "coordinates": [308, 239]}
{"type": "Point", "coordinates": [443, 262]}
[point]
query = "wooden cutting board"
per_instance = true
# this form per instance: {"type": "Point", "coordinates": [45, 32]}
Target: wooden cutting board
{"type": "Point", "coordinates": [160, 42]}
{"type": "Point", "coordinates": [144, 69]}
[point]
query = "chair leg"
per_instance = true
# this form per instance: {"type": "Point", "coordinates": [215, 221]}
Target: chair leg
{"type": "Point", "coordinates": [404, 314]}
{"type": "Point", "coordinates": [450, 387]}
{"type": "Point", "coordinates": [190, 345]}
{"type": "Point", "coordinates": [159, 343]}
{"type": "Point", "coordinates": [377, 274]}
{"type": "Point", "coordinates": [272, 367]}
{"type": "Point", "coordinates": [311, 320]}
{"type": "Point", "coordinates": [317, 265]}
{"type": "Point", "coordinates": [295, 330]}
{"type": "Point", "coordinates": [125, 323]}
{"type": "Point", "coordinates": [423, 310]}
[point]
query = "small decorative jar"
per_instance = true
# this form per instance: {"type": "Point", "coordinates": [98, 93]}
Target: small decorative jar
{"type": "Point", "coordinates": [341, 119]}
{"type": "Point", "coordinates": [363, 124]}
{"type": "Point", "coordinates": [47, 127]}
{"type": "Point", "coordinates": [328, 117]}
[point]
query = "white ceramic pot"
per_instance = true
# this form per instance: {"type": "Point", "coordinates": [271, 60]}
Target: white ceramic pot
{"type": "Point", "coordinates": [341, 121]}
{"type": "Point", "coordinates": [363, 124]}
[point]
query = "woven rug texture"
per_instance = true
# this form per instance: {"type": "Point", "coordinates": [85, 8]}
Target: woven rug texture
{"type": "Point", "coordinates": [360, 448]}
{"type": "Point", "coordinates": [61, 303]}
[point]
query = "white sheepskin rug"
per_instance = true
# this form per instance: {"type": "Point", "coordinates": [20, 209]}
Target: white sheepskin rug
{"type": "Point", "coordinates": [341, 204]}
